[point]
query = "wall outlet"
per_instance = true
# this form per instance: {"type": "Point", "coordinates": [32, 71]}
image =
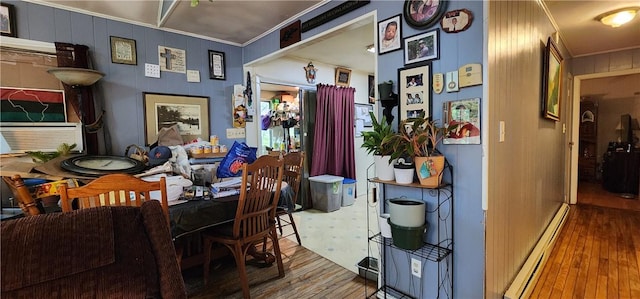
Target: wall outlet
{"type": "Point", "coordinates": [416, 268]}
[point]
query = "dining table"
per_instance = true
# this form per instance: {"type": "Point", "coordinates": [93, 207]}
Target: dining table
{"type": "Point", "coordinates": [189, 218]}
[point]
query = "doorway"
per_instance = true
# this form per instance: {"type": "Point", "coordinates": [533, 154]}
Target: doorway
{"type": "Point", "coordinates": [610, 96]}
{"type": "Point", "coordinates": [339, 236]}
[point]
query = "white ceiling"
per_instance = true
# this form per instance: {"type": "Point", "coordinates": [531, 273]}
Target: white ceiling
{"type": "Point", "coordinates": [242, 22]}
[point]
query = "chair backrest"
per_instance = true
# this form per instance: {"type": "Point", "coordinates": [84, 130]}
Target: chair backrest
{"type": "Point", "coordinates": [26, 202]}
{"type": "Point", "coordinates": [114, 190]}
{"type": "Point", "coordinates": [261, 183]}
{"type": "Point", "coordinates": [293, 171]}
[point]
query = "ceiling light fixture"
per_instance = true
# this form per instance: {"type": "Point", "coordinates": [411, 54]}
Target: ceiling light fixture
{"type": "Point", "coordinates": [371, 48]}
{"type": "Point", "coordinates": [619, 17]}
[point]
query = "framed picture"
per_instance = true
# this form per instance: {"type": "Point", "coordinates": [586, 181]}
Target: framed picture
{"type": "Point", "coordinates": [190, 113]}
{"type": "Point", "coordinates": [464, 117]}
{"type": "Point", "coordinates": [422, 47]}
{"type": "Point", "coordinates": [8, 20]}
{"type": "Point", "coordinates": [217, 67]}
{"type": "Point", "coordinates": [32, 105]}
{"type": "Point", "coordinates": [422, 14]}
{"type": "Point", "coordinates": [415, 91]}
{"type": "Point", "coordinates": [552, 79]}
{"type": "Point", "coordinates": [343, 77]}
{"type": "Point", "coordinates": [389, 35]}
{"type": "Point", "coordinates": [123, 50]}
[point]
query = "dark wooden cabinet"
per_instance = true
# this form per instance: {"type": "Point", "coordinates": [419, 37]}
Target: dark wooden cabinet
{"type": "Point", "coordinates": [587, 161]}
{"type": "Point", "coordinates": [621, 171]}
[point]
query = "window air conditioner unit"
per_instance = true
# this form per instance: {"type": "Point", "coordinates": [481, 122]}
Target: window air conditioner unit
{"type": "Point", "coordinates": [45, 137]}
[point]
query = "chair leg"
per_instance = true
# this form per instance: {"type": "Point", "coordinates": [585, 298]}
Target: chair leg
{"type": "Point", "coordinates": [206, 246]}
{"type": "Point", "coordinates": [295, 229]}
{"type": "Point", "coordinates": [276, 252]}
{"type": "Point", "coordinates": [279, 224]}
{"type": "Point", "coordinates": [242, 270]}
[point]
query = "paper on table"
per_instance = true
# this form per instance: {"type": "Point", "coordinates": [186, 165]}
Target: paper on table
{"type": "Point", "coordinates": [225, 193]}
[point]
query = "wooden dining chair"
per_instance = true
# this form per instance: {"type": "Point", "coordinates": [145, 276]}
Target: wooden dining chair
{"type": "Point", "coordinates": [254, 219]}
{"type": "Point", "coordinates": [292, 175]}
{"type": "Point", "coordinates": [117, 189]}
{"type": "Point", "coordinates": [26, 202]}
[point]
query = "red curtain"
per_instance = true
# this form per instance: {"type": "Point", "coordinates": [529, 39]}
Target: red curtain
{"type": "Point", "coordinates": [333, 149]}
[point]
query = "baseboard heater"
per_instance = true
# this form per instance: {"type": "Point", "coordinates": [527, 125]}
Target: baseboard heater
{"type": "Point", "coordinates": [46, 137]}
{"type": "Point", "coordinates": [525, 281]}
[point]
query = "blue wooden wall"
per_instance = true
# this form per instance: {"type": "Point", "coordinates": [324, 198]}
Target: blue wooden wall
{"type": "Point", "coordinates": [122, 87]}
{"type": "Point", "coordinates": [455, 50]}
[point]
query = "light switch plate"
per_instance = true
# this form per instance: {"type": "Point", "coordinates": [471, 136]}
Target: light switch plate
{"type": "Point", "coordinates": [235, 133]}
{"type": "Point", "coordinates": [152, 70]}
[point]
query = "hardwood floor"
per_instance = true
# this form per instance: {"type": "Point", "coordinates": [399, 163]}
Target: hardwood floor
{"type": "Point", "coordinates": [307, 275]}
{"type": "Point", "coordinates": [592, 193]}
{"type": "Point", "coordinates": [597, 254]}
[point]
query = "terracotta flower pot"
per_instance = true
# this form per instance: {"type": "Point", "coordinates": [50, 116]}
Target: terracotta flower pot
{"type": "Point", "coordinates": [429, 170]}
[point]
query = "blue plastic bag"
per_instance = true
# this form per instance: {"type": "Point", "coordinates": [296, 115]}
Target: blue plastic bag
{"type": "Point", "coordinates": [231, 164]}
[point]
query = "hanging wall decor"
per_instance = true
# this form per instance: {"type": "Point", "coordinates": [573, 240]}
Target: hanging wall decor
{"type": "Point", "coordinates": [422, 14]}
{"type": "Point", "coordinates": [123, 50]}
{"type": "Point", "coordinates": [456, 20]}
{"type": "Point", "coordinates": [552, 79]}
{"type": "Point", "coordinates": [415, 93]}
{"type": "Point", "coordinates": [463, 117]}
{"type": "Point", "coordinates": [8, 15]}
{"type": "Point", "coordinates": [422, 47]}
{"type": "Point", "coordinates": [389, 35]}
{"type": "Point", "coordinates": [310, 73]}
{"type": "Point", "coordinates": [172, 60]}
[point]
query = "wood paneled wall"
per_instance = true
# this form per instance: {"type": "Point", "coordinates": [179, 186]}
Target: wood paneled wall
{"type": "Point", "coordinates": [526, 171]}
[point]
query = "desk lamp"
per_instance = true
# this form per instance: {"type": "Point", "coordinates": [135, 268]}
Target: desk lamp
{"type": "Point", "coordinates": [77, 78]}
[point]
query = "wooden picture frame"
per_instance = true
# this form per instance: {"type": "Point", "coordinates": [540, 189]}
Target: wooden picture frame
{"type": "Point", "coordinates": [343, 77]}
{"type": "Point", "coordinates": [412, 81]}
{"type": "Point", "coordinates": [422, 14]}
{"type": "Point", "coordinates": [552, 81]}
{"type": "Point", "coordinates": [190, 113]}
{"type": "Point", "coordinates": [123, 50]}
{"type": "Point", "coordinates": [217, 65]}
{"type": "Point", "coordinates": [422, 47]}
{"type": "Point", "coordinates": [8, 20]}
{"type": "Point", "coordinates": [456, 20]}
{"type": "Point", "coordinates": [392, 42]}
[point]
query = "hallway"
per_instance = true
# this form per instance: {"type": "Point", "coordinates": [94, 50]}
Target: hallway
{"type": "Point", "coordinates": [597, 254]}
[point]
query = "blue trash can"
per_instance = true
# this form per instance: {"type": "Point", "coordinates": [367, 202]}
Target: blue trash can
{"type": "Point", "coordinates": [348, 192]}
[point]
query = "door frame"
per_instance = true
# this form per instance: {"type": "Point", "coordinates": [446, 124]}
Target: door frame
{"type": "Point", "coordinates": [575, 124]}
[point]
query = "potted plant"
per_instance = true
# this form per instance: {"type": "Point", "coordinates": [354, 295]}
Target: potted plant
{"type": "Point", "coordinates": [417, 138]}
{"type": "Point", "coordinates": [382, 153]}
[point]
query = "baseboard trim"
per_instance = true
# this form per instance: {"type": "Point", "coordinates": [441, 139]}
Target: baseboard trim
{"type": "Point", "coordinates": [523, 284]}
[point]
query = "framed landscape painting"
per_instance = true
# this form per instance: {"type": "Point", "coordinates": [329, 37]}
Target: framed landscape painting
{"type": "Point", "coordinates": [189, 113]}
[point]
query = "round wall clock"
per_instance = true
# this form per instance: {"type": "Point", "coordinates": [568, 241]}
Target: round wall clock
{"type": "Point", "coordinates": [421, 14]}
{"type": "Point", "coordinates": [91, 165]}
